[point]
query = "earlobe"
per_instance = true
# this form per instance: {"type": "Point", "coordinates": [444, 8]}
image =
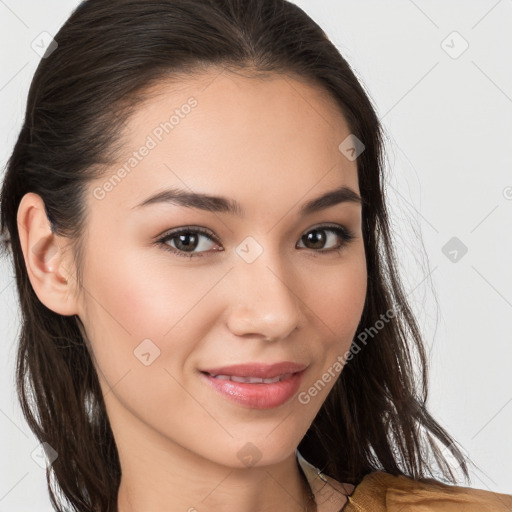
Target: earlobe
{"type": "Point", "coordinates": [44, 257]}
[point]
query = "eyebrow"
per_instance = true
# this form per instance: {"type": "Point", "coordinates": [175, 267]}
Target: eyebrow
{"type": "Point", "coordinates": [219, 204]}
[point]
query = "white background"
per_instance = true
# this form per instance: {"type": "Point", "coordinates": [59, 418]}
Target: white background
{"type": "Point", "coordinates": [449, 125]}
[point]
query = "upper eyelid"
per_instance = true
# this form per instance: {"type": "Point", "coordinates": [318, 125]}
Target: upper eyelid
{"type": "Point", "coordinates": [186, 229]}
{"type": "Point", "coordinates": [214, 237]}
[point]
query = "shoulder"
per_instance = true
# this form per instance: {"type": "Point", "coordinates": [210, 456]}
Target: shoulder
{"type": "Point", "coordinates": [381, 491]}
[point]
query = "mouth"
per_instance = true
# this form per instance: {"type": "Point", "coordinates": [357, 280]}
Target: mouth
{"type": "Point", "coordinates": [251, 380]}
{"type": "Point", "coordinates": [257, 386]}
{"type": "Point", "coordinates": [256, 370]}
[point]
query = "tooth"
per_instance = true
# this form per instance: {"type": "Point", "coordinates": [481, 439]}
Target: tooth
{"type": "Point", "coordinates": [255, 380]}
{"type": "Point", "coordinates": [252, 380]}
{"type": "Point", "coordinates": [240, 379]}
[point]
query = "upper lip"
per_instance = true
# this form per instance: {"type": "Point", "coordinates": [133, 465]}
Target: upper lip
{"type": "Point", "coordinates": [261, 370]}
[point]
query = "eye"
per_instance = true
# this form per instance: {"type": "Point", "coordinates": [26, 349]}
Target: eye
{"type": "Point", "coordinates": [186, 240]}
{"type": "Point", "coordinates": [316, 238]}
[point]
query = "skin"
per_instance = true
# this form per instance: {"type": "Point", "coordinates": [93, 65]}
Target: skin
{"type": "Point", "coordinates": [272, 144]}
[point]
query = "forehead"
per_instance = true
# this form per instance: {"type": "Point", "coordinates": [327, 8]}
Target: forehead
{"type": "Point", "coordinates": [235, 135]}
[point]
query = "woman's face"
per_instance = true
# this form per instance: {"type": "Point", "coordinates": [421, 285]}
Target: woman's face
{"type": "Point", "coordinates": [264, 283]}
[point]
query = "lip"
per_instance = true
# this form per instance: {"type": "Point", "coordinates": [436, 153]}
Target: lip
{"type": "Point", "coordinates": [257, 395]}
{"type": "Point", "coordinates": [261, 370]}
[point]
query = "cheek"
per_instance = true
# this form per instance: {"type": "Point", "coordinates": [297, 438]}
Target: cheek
{"type": "Point", "coordinates": [147, 296]}
{"type": "Point", "coordinates": [337, 296]}
{"type": "Point", "coordinates": [136, 306]}
{"type": "Point", "coordinates": [137, 322]}
{"type": "Point", "coordinates": [336, 300]}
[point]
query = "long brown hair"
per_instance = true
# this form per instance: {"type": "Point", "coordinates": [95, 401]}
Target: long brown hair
{"type": "Point", "coordinates": [109, 52]}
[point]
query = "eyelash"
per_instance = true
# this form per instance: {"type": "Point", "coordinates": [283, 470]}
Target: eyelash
{"type": "Point", "coordinates": [345, 234]}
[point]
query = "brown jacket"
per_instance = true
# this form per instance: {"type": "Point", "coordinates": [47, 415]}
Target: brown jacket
{"type": "Point", "coordinates": [382, 492]}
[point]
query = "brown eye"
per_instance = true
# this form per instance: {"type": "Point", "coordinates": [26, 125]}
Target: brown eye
{"type": "Point", "coordinates": [186, 241]}
{"type": "Point", "coordinates": [316, 238]}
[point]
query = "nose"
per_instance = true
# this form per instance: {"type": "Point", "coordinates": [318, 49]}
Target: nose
{"type": "Point", "coordinates": [263, 302]}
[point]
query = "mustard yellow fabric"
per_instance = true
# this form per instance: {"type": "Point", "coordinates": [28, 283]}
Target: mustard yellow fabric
{"type": "Point", "coordinates": [382, 492]}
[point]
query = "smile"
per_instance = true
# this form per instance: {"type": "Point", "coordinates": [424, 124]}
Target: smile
{"type": "Point", "coordinates": [252, 380]}
{"type": "Point", "coordinates": [255, 392]}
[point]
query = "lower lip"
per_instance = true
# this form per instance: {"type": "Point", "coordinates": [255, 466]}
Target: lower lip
{"type": "Point", "coordinates": [260, 395]}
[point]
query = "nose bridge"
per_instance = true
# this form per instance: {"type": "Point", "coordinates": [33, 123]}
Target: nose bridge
{"type": "Point", "coordinates": [265, 302]}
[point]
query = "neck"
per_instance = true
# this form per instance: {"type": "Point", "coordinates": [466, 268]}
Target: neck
{"type": "Point", "coordinates": [159, 475]}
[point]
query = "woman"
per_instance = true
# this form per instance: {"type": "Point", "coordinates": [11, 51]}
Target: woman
{"type": "Point", "coordinates": [211, 313]}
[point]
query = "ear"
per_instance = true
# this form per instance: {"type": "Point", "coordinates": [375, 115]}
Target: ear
{"type": "Point", "coordinates": [49, 271]}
